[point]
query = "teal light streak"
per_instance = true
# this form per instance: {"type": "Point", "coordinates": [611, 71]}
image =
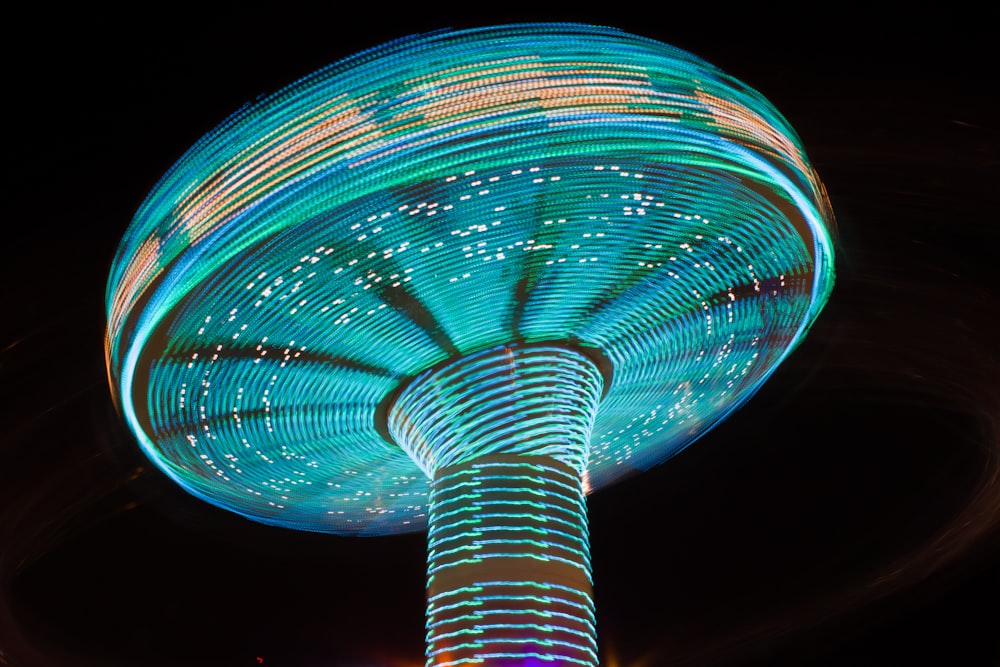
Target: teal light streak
{"type": "Point", "coordinates": [465, 251]}
{"type": "Point", "coordinates": [362, 146]}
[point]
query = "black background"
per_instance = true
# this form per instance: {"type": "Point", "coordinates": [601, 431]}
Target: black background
{"type": "Point", "coordinates": [847, 515]}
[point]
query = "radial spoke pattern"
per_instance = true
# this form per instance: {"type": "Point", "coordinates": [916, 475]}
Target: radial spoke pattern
{"type": "Point", "coordinates": [436, 197]}
{"type": "Point", "coordinates": [463, 279]}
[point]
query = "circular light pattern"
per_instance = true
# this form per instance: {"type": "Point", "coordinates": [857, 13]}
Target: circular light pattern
{"type": "Point", "coordinates": [527, 400]}
{"type": "Point", "coordinates": [441, 195]}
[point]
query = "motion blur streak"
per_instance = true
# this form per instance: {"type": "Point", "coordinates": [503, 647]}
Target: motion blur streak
{"type": "Point", "coordinates": [56, 488]}
{"type": "Point", "coordinates": [909, 151]}
{"type": "Point", "coordinates": [906, 361]}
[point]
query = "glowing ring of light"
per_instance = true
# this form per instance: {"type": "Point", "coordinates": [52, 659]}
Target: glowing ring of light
{"type": "Point", "coordinates": [438, 196]}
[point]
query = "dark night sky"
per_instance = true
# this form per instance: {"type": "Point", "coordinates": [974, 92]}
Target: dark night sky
{"type": "Point", "coordinates": [848, 515]}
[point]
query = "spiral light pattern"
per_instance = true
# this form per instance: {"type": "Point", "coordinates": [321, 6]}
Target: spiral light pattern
{"type": "Point", "coordinates": [515, 399]}
{"type": "Point", "coordinates": [442, 195]}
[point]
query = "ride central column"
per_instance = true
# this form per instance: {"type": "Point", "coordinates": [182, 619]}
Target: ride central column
{"type": "Point", "coordinates": [503, 435]}
{"type": "Point", "coordinates": [508, 564]}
